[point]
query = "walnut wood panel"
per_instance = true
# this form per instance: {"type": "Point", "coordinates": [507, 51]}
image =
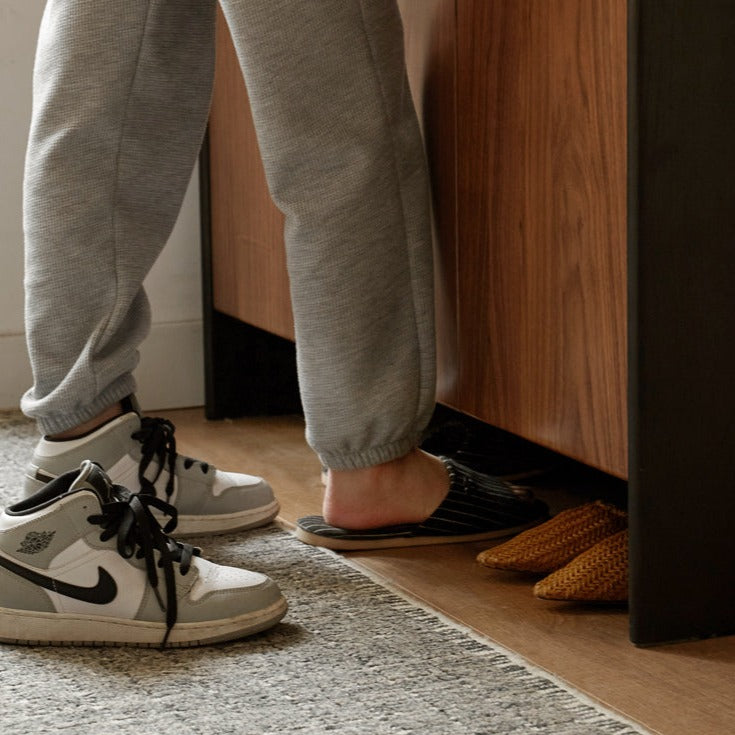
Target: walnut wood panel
{"type": "Point", "coordinates": [523, 110]}
{"type": "Point", "coordinates": [430, 38]}
{"type": "Point", "coordinates": [541, 101]}
{"type": "Point", "coordinates": [249, 275]}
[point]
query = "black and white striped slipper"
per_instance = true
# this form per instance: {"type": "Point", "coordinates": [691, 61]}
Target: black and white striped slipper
{"type": "Point", "coordinates": [478, 507]}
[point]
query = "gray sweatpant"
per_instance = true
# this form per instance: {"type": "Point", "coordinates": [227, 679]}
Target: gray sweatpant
{"type": "Point", "coordinates": [121, 96]}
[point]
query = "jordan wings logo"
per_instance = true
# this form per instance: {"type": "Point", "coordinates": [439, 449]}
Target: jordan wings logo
{"type": "Point", "coordinates": [35, 542]}
{"type": "Point", "coordinates": [102, 593]}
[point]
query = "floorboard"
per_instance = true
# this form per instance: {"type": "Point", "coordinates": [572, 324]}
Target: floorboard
{"type": "Point", "coordinates": [683, 689]}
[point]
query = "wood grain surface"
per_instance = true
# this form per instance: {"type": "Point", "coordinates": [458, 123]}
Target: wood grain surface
{"type": "Point", "coordinates": [250, 281]}
{"type": "Point", "coordinates": [523, 109]}
{"type": "Point", "coordinates": [541, 141]}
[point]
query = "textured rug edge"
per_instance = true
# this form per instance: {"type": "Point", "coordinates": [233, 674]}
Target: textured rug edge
{"type": "Point", "coordinates": [422, 609]}
{"type": "Point", "coordinates": [512, 656]}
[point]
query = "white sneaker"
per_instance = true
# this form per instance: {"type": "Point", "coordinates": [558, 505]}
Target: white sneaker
{"type": "Point", "coordinates": [140, 454]}
{"type": "Point", "coordinates": [84, 562]}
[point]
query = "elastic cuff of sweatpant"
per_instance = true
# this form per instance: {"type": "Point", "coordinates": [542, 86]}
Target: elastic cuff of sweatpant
{"type": "Point", "coordinates": [64, 420]}
{"type": "Point", "coordinates": [369, 457]}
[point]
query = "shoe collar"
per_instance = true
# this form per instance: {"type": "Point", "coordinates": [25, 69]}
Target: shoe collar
{"type": "Point", "coordinates": [89, 477]}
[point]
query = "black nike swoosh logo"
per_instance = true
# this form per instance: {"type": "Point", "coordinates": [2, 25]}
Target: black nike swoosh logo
{"type": "Point", "coordinates": [102, 593]}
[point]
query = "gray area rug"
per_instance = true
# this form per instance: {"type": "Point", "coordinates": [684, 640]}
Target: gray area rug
{"type": "Point", "coordinates": [350, 657]}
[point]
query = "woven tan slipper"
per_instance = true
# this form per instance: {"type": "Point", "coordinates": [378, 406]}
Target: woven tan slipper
{"type": "Point", "coordinates": [600, 574]}
{"type": "Point", "coordinates": [550, 546]}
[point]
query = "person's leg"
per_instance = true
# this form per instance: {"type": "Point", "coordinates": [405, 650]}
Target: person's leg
{"type": "Point", "coordinates": [121, 95]}
{"type": "Point", "coordinates": [345, 163]}
{"type": "Point", "coordinates": [121, 98]}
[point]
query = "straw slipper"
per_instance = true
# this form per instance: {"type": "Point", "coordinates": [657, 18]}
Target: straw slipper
{"type": "Point", "coordinates": [600, 574]}
{"type": "Point", "coordinates": [550, 546]}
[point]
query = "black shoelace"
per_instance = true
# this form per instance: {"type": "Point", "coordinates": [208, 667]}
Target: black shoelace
{"type": "Point", "coordinates": [156, 436]}
{"type": "Point", "coordinates": [139, 532]}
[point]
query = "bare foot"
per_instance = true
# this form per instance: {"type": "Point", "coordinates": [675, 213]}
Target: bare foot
{"type": "Point", "coordinates": [93, 423]}
{"type": "Point", "coordinates": [405, 490]}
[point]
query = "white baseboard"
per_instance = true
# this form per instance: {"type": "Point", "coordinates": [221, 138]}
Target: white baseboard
{"type": "Point", "coordinates": [170, 373]}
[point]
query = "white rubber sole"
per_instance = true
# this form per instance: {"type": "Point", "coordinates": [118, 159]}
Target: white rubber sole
{"type": "Point", "coordinates": [226, 522]}
{"type": "Point", "coordinates": [61, 629]}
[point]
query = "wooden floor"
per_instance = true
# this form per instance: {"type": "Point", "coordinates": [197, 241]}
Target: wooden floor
{"type": "Point", "coordinates": [683, 689]}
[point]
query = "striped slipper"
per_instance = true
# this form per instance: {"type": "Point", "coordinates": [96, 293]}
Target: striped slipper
{"type": "Point", "coordinates": [477, 507]}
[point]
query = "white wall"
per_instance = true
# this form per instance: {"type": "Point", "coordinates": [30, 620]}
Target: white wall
{"type": "Point", "coordinates": [170, 373]}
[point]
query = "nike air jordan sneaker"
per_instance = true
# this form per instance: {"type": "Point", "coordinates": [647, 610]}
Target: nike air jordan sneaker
{"type": "Point", "coordinates": [85, 562]}
{"type": "Point", "coordinates": [140, 454]}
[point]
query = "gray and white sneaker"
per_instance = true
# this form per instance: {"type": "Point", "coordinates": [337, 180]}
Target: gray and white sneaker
{"type": "Point", "coordinates": [84, 562]}
{"type": "Point", "coordinates": [140, 454]}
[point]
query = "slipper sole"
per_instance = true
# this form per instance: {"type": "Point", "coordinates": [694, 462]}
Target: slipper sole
{"type": "Point", "coordinates": [393, 542]}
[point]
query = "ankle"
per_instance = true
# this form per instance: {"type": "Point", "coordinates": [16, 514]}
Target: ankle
{"type": "Point", "coordinates": [404, 490]}
{"type": "Point", "coordinates": [91, 425]}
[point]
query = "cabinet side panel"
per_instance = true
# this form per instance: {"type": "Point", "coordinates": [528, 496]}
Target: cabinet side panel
{"type": "Point", "coordinates": [250, 281]}
{"type": "Point", "coordinates": [541, 192]}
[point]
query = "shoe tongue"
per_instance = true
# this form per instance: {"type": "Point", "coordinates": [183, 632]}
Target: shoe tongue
{"type": "Point", "coordinates": [92, 477]}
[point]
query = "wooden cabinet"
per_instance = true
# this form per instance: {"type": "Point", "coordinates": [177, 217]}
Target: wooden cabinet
{"type": "Point", "coordinates": [582, 154]}
{"type": "Point", "coordinates": [249, 279]}
{"type": "Point", "coordinates": [523, 109]}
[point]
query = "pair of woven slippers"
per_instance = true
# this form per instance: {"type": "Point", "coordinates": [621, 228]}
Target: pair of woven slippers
{"type": "Point", "coordinates": [478, 507]}
{"type": "Point", "coordinates": [583, 550]}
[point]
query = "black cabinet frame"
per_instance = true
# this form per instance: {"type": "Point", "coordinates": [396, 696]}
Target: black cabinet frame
{"type": "Point", "coordinates": [681, 279]}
